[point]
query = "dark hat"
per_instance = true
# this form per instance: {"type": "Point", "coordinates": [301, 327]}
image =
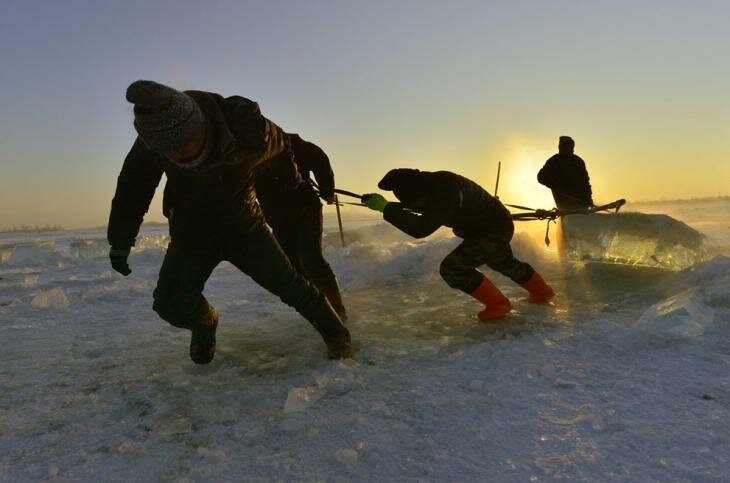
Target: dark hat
{"type": "Point", "coordinates": [407, 184]}
{"type": "Point", "coordinates": [166, 119]}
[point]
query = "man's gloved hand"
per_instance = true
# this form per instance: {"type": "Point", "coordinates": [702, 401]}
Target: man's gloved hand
{"type": "Point", "coordinates": [118, 257]}
{"type": "Point", "coordinates": [374, 201]}
{"type": "Point", "coordinates": [327, 195]}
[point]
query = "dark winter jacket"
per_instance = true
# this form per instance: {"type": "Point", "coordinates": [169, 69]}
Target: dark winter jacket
{"type": "Point", "coordinates": [566, 175]}
{"type": "Point", "coordinates": [450, 200]}
{"type": "Point", "coordinates": [282, 197]}
{"type": "Point", "coordinates": [211, 198]}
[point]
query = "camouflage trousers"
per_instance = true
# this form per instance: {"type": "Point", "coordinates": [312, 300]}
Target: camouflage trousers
{"type": "Point", "coordinates": [459, 268]}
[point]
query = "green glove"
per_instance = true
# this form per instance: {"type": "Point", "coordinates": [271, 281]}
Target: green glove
{"type": "Point", "coordinates": [374, 201]}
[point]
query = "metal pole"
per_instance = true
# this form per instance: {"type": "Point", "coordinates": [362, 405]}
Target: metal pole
{"type": "Point", "coordinates": [348, 193]}
{"type": "Point", "coordinates": [496, 186]}
{"type": "Point", "coordinates": [339, 221]}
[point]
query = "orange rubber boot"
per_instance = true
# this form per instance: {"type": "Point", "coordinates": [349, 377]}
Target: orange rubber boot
{"type": "Point", "coordinates": [496, 303]}
{"type": "Point", "coordinates": [539, 290]}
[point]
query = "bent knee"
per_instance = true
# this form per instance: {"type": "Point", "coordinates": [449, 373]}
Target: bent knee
{"type": "Point", "coordinates": [453, 277]}
{"type": "Point", "coordinates": [178, 309]}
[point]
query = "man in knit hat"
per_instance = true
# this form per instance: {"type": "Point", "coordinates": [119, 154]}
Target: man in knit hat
{"type": "Point", "coordinates": [294, 212]}
{"type": "Point", "coordinates": [429, 200]}
{"type": "Point", "coordinates": [208, 147]}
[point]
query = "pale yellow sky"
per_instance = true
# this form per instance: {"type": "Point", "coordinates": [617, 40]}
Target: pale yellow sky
{"type": "Point", "coordinates": [378, 85]}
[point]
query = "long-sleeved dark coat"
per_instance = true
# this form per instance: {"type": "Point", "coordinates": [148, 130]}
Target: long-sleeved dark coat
{"type": "Point", "coordinates": [206, 200]}
{"type": "Point", "coordinates": [456, 202]}
{"type": "Point", "coordinates": [566, 175]}
{"type": "Point", "coordinates": [282, 197]}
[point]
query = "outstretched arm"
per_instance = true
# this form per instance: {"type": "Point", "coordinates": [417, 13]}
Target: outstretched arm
{"type": "Point", "coordinates": [312, 158]}
{"type": "Point", "coordinates": [409, 222]}
{"type": "Point", "coordinates": [136, 184]}
{"type": "Point", "coordinates": [414, 224]}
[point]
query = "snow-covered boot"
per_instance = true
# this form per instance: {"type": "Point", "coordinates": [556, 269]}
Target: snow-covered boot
{"type": "Point", "coordinates": [539, 290]}
{"type": "Point", "coordinates": [202, 342]}
{"type": "Point", "coordinates": [496, 303]}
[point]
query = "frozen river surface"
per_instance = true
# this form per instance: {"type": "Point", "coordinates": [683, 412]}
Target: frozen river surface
{"type": "Point", "coordinates": [625, 377]}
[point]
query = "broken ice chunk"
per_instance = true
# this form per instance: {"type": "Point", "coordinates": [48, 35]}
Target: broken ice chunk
{"type": "Point", "coordinates": [346, 456]}
{"type": "Point", "coordinates": [54, 298]}
{"type": "Point", "coordinates": [38, 253]}
{"type": "Point", "coordinates": [300, 398]}
{"type": "Point", "coordinates": [682, 315]}
{"type": "Point", "coordinates": [30, 281]}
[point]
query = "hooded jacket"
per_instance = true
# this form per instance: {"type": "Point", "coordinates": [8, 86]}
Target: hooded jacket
{"type": "Point", "coordinates": [446, 199]}
{"type": "Point", "coordinates": [205, 200]}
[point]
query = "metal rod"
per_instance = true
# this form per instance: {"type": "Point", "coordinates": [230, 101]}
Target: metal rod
{"type": "Point", "coordinates": [348, 193]}
{"type": "Point", "coordinates": [339, 222]}
{"type": "Point", "coordinates": [496, 186]}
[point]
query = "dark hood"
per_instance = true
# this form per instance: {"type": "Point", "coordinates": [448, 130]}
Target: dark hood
{"type": "Point", "coordinates": [407, 184]}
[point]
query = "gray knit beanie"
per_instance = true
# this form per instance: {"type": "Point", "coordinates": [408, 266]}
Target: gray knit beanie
{"type": "Point", "coordinates": [166, 119]}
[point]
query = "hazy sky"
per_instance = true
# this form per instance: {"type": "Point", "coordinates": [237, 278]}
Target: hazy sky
{"type": "Point", "coordinates": [460, 85]}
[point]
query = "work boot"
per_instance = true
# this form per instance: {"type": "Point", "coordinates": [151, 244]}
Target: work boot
{"type": "Point", "coordinates": [496, 303]}
{"type": "Point", "coordinates": [202, 342]}
{"type": "Point", "coordinates": [539, 290]}
{"type": "Point", "coordinates": [339, 347]}
{"type": "Point", "coordinates": [336, 336]}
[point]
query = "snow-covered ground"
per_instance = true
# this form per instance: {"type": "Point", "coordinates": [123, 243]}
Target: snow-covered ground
{"type": "Point", "coordinates": [625, 377]}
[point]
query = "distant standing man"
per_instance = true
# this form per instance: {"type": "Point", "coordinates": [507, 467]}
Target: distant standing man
{"type": "Point", "coordinates": [208, 147]}
{"type": "Point", "coordinates": [429, 200]}
{"type": "Point", "coordinates": [566, 175]}
{"type": "Point", "coordinates": [294, 212]}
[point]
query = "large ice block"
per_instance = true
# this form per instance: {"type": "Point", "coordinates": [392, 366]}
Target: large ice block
{"type": "Point", "coordinates": [633, 239]}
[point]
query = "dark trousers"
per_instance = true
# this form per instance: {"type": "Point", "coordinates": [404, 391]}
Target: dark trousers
{"type": "Point", "coordinates": [178, 297]}
{"type": "Point", "coordinates": [459, 268]}
{"type": "Point", "coordinates": [301, 240]}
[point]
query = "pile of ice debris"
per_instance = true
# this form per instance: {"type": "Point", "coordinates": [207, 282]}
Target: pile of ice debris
{"type": "Point", "coordinates": [700, 299]}
{"type": "Point", "coordinates": [56, 252]}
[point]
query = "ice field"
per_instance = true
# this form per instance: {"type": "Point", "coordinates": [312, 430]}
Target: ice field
{"type": "Point", "coordinates": [624, 377]}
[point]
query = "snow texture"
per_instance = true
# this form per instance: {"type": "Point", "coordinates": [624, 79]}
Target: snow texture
{"type": "Point", "coordinates": [625, 376]}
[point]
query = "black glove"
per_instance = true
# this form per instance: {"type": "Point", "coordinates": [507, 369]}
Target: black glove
{"type": "Point", "coordinates": [118, 257]}
{"type": "Point", "coordinates": [327, 194]}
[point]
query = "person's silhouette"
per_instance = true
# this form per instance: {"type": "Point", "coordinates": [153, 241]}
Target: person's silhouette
{"type": "Point", "coordinates": [566, 175]}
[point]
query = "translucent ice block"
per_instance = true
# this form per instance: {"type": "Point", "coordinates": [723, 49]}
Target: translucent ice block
{"type": "Point", "coordinates": [633, 239]}
{"type": "Point", "coordinates": [682, 315]}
